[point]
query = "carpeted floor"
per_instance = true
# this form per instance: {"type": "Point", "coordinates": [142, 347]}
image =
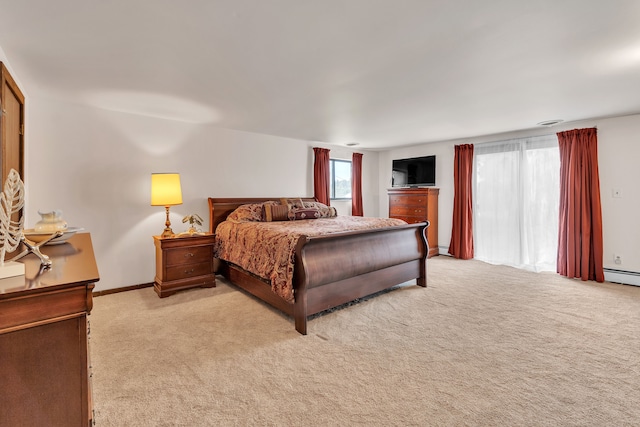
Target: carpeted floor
{"type": "Point", "coordinates": [483, 345]}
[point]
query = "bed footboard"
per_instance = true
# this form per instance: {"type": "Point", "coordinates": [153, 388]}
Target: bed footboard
{"type": "Point", "coordinates": [335, 269]}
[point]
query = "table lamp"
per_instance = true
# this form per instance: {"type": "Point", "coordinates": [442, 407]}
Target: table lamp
{"type": "Point", "coordinates": [166, 191]}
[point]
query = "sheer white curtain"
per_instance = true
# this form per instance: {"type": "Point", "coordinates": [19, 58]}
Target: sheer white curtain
{"type": "Point", "coordinates": [516, 202]}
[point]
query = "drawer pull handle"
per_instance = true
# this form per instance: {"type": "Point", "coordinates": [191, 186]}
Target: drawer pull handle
{"type": "Point", "coordinates": [188, 255]}
{"type": "Point", "coordinates": [189, 271]}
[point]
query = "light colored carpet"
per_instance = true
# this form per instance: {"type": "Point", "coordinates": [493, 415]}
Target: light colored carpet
{"type": "Point", "coordinates": [481, 346]}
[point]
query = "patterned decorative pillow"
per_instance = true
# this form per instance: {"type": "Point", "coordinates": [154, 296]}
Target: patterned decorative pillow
{"type": "Point", "coordinates": [303, 213]}
{"type": "Point", "coordinates": [275, 212]}
{"type": "Point", "coordinates": [294, 209]}
{"type": "Point", "coordinates": [251, 212]}
{"type": "Point", "coordinates": [292, 203]}
{"type": "Point", "coordinates": [312, 213]}
{"type": "Point", "coordinates": [327, 211]}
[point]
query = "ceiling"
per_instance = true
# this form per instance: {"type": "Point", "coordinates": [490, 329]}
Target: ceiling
{"type": "Point", "coordinates": [379, 73]}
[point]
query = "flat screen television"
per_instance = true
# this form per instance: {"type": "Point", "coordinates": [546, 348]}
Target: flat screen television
{"type": "Point", "coordinates": [414, 172]}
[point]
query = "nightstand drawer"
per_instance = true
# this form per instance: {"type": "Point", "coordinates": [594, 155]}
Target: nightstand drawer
{"type": "Point", "coordinates": [195, 254]}
{"type": "Point", "coordinates": [186, 271]}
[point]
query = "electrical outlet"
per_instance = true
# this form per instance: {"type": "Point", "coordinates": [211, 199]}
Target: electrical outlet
{"type": "Point", "coordinates": [617, 258]}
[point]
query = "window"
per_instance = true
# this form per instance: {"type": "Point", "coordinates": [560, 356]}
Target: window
{"type": "Point", "coordinates": [340, 179]}
{"type": "Point", "coordinates": [516, 202]}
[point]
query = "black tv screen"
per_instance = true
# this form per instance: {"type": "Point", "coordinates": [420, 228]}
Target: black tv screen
{"type": "Point", "coordinates": [414, 172]}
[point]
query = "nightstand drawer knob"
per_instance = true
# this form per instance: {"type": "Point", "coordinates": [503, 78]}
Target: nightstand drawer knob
{"type": "Point", "coordinates": [189, 271]}
{"type": "Point", "coordinates": [188, 255]}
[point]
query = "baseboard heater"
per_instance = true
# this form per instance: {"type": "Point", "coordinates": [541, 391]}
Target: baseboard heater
{"type": "Point", "coordinates": [622, 276]}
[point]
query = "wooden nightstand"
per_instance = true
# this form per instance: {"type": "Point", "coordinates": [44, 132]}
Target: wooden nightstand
{"type": "Point", "coordinates": [183, 262]}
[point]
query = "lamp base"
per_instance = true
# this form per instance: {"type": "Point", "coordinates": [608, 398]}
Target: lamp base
{"type": "Point", "coordinates": [168, 232]}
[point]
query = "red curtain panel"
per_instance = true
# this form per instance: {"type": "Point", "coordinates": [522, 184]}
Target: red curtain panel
{"type": "Point", "coordinates": [580, 252]}
{"type": "Point", "coordinates": [461, 245]}
{"type": "Point", "coordinates": [321, 175]}
{"type": "Point", "coordinates": [356, 185]}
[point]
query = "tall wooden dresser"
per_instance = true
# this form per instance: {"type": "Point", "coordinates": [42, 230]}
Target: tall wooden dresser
{"type": "Point", "coordinates": [417, 205]}
{"type": "Point", "coordinates": [44, 355]}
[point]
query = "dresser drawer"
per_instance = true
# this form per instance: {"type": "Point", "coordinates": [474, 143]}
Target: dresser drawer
{"type": "Point", "coordinates": [409, 200]}
{"type": "Point", "coordinates": [186, 271]}
{"type": "Point", "coordinates": [44, 307]}
{"type": "Point", "coordinates": [189, 255]}
{"type": "Point", "coordinates": [410, 219]}
{"type": "Point", "coordinates": [407, 211]}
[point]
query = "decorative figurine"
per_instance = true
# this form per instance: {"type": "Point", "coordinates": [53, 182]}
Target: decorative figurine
{"type": "Point", "coordinates": [11, 202]}
{"type": "Point", "coordinates": [193, 220]}
{"type": "Point", "coordinates": [12, 231]}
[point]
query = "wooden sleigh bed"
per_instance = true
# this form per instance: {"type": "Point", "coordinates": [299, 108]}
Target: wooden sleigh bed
{"type": "Point", "coordinates": [334, 269]}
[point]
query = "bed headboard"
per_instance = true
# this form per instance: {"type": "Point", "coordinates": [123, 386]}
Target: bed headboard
{"type": "Point", "coordinates": [220, 208]}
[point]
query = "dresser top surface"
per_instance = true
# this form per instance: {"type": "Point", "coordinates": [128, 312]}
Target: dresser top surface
{"type": "Point", "coordinates": [73, 262]}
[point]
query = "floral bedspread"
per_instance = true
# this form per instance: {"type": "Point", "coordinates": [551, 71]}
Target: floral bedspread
{"type": "Point", "coordinates": [267, 249]}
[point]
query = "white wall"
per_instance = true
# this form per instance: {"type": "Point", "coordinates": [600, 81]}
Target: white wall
{"type": "Point", "coordinates": [618, 157]}
{"type": "Point", "coordinates": [95, 165]}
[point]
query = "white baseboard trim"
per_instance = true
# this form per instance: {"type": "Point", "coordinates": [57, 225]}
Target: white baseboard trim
{"type": "Point", "coordinates": [610, 274]}
{"type": "Point", "coordinates": [621, 276]}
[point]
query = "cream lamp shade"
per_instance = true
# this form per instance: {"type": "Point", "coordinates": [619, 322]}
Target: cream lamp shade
{"type": "Point", "coordinates": [166, 191]}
